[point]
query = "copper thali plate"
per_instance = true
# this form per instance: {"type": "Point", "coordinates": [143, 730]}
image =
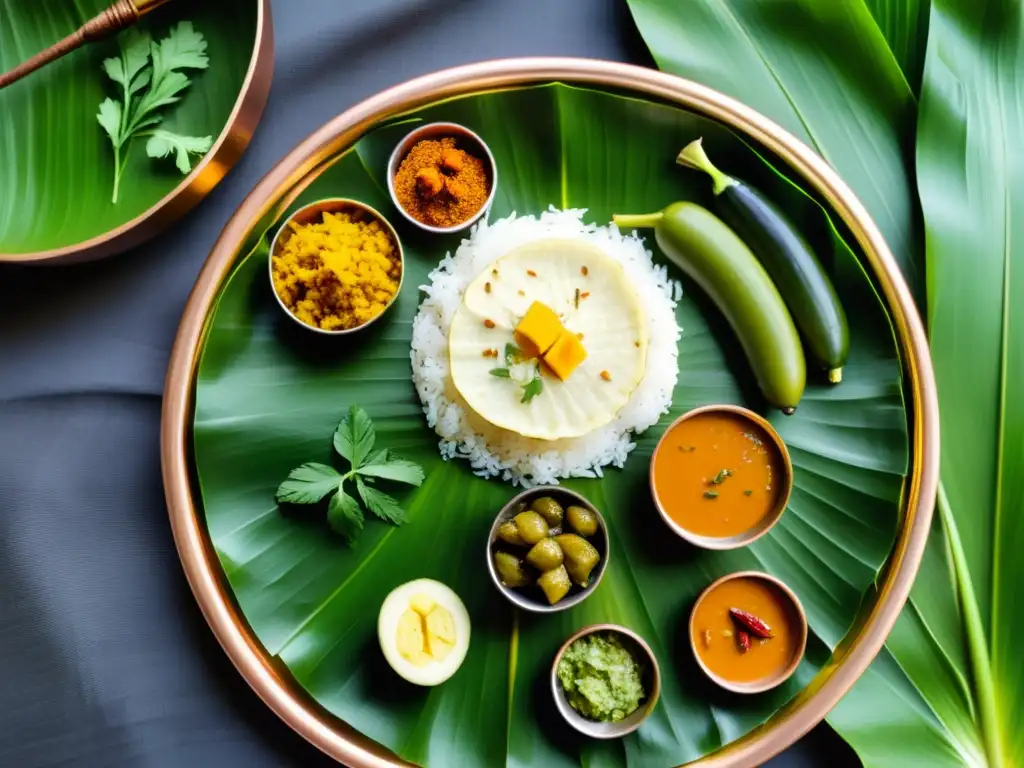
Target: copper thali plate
{"type": "Point", "coordinates": [293, 174]}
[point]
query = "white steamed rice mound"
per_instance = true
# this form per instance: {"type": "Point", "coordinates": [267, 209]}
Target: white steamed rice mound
{"type": "Point", "coordinates": [494, 452]}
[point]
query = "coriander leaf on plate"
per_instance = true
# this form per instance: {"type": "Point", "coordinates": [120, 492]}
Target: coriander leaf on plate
{"type": "Point", "coordinates": [355, 436]}
{"type": "Point", "coordinates": [133, 58]}
{"type": "Point", "coordinates": [183, 48]}
{"type": "Point", "coordinates": [344, 516]}
{"type": "Point", "coordinates": [162, 143]}
{"type": "Point", "coordinates": [532, 389]}
{"type": "Point", "coordinates": [150, 77]}
{"type": "Point", "coordinates": [391, 467]}
{"type": "Point", "coordinates": [513, 354]}
{"type": "Point", "coordinates": [109, 117]}
{"type": "Point", "coordinates": [162, 93]}
{"type": "Point", "coordinates": [308, 484]}
{"type": "Point", "coordinates": [382, 505]}
{"type": "Point", "coordinates": [149, 122]}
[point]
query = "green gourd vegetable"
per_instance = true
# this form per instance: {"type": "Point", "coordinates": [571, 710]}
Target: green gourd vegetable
{"type": "Point", "coordinates": [801, 280]}
{"type": "Point", "coordinates": [718, 260]}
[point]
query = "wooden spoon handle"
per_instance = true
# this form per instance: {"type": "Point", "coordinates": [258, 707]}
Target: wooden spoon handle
{"type": "Point", "coordinates": [121, 14]}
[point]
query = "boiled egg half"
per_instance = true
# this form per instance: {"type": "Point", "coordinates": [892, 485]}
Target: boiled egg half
{"type": "Point", "coordinates": [423, 630]}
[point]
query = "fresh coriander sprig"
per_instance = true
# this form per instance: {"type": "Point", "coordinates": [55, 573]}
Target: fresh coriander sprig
{"type": "Point", "coordinates": [151, 79]}
{"type": "Point", "coordinates": [532, 386]}
{"type": "Point", "coordinates": [354, 440]}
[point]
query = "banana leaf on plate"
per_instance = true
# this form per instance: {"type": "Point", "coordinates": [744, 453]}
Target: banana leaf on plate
{"type": "Point", "coordinates": [268, 398]}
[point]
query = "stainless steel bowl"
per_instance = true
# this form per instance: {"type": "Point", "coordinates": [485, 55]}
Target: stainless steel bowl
{"type": "Point", "coordinates": [601, 730]}
{"type": "Point", "coordinates": [533, 600]}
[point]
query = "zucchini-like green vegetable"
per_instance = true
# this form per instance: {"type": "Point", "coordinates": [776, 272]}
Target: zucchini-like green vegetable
{"type": "Point", "coordinates": [714, 256]}
{"type": "Point", "coordinates": [790, 261]}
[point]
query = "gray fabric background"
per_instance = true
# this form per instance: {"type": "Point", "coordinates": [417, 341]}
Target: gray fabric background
{"type": "Point", "coordinates": [104, 657]}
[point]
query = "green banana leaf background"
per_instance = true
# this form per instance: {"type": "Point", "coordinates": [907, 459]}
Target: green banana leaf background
{"type": "Point", "coordinates": [917, 102]}
{"type": "Point", "coordinates": [55, 189]}
{"type": "Point", "coordinates": [269, 395]}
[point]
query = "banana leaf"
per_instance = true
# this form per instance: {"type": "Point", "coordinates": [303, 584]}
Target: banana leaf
{"type": "Point", "coordinates": [824, 71]}
{"type": "Point", "coordinates": [957, 642]}
{"type": "Point", "coordinates": [904, 23]}
{"type": "Point", "coordinates": [56, 163]}
{"type": "Point", "coordinates": [947, 690]}
{"type": "Point", "coordinates": [268, 396]}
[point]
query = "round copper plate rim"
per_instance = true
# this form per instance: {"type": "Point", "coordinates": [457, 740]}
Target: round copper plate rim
{"type": "Point", "coordinates": [226, 152]}
{"type": "Point", "coordinates": [200, 562]}
{"type": "Point", "coordinates": [749, 536]}
{"type": "Point", "coordinates": [782, 675]}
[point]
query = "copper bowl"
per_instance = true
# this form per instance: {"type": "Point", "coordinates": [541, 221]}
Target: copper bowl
{"type": "Point", "coordinates": [750, 535]}
{"type": "Point", "coordinates": [783, 674]}
{"type": "Point", "coordinates": [602, 730]}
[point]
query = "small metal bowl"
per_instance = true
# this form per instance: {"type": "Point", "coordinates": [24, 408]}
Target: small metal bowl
{"type": "Point", "coordinates": [756, 686]}
{"type": "Point", "coordinates": [752, 534]}
{"type": "Point", "coordinates": [533, 599]}
{"type": "Point", "coordinates": [593, 728]}
{"type": "Point", "coordinates": [313, 213]}
{"type": "Point", "coordinates": [466, 140]}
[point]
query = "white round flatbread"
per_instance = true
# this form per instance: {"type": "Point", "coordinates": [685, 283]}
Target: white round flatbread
{"type": "Point", "coordinates": [607, 313]}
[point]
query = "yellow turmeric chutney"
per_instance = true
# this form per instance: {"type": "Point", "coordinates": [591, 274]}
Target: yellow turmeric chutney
{"type": "Point", "coordinates": [339, 272]}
